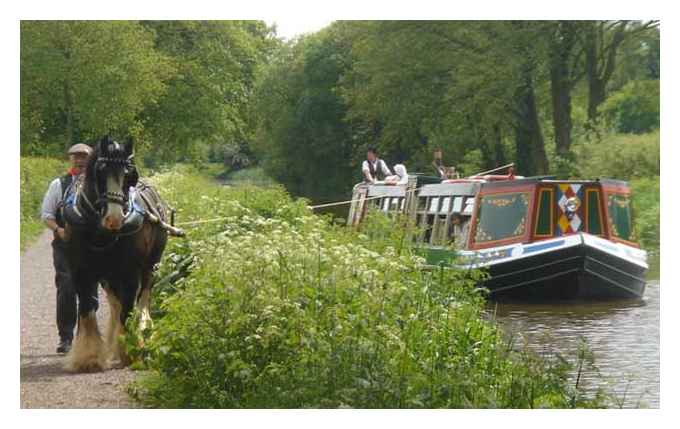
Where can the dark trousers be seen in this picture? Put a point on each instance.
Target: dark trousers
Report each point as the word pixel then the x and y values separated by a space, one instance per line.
pixel 67 310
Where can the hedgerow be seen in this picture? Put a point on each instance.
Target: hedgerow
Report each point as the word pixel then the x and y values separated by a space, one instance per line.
pixel 36 175
pixel 281 308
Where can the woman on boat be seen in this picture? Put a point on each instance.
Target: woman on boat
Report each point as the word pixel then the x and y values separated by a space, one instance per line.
pixel 400 176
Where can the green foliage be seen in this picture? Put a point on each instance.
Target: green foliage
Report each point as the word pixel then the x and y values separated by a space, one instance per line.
pixel 620 156
pixel 249 176
pixel 639 59
pixel 647 211
pixel 208 98
pixel 283 309
pixel 179 87
pixel 635 158
pixel 302 139
pixel 82 79
pixel 408 98
pixel 36 175
pixel 635 108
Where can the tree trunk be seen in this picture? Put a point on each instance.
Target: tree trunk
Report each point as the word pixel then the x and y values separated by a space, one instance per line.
pixel 68 113
pixel 596 97
pixel 498 145
pixel 596 92
pixel 530 146
pixel 562 79
pixel 600 62
pixel 560 89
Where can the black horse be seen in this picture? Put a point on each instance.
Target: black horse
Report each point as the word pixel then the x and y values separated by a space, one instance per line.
pixel 115 237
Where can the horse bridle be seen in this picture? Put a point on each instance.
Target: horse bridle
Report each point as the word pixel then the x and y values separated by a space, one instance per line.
pixel 103 198
pixel 109 196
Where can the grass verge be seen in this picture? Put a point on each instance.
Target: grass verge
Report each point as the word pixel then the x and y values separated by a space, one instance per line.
pixel 36 175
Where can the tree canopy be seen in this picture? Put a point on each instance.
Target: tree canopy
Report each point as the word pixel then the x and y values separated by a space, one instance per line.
pixel 486 92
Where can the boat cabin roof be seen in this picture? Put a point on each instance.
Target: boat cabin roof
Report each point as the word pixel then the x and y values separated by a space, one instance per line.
pixel 461 188
pixel 474 186
pixel 386 190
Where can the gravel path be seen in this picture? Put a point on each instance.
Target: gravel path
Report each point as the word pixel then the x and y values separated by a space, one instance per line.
pixel 44 382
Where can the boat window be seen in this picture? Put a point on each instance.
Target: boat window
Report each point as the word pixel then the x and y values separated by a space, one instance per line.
pixel 439 230
pixel 429 221
pixel 457 204
pixel 544 216
pixel 394 204
pixel 422 203
pixel 593 220
pixel 459 227
pixel 434 202
pixel 501 216
pixel 469 206
pixel 401 204
pixel 446 205
pixel 385 204
pixel 619 216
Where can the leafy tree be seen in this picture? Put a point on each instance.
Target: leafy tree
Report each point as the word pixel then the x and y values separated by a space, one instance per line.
pixel 564 63
pixel 458 85
pixel 82 79
pixel 602 41
pixel 208 98
pixel 634 108
pixel 302 138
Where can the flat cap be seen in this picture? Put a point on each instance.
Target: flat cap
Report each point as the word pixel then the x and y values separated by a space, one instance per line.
pixel 80 148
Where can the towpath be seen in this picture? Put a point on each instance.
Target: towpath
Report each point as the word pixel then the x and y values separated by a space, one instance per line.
pixel 44 382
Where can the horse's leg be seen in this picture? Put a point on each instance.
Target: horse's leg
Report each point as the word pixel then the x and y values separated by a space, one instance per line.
pixel 144 301
pixel 114 329
pixel 87 353
pixel 127 295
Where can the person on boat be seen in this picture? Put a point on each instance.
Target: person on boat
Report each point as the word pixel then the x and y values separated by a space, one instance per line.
pixel 458 230
pixel 374 168
pixel 441 170
pixel 400 176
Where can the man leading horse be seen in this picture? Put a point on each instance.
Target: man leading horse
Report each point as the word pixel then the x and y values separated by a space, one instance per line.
pixel 51 215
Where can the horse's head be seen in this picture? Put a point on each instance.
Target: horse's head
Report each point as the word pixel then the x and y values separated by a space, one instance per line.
pixel 108 170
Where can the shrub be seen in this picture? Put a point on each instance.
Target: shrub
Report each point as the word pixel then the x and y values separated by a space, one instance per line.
pixel 36 175
pixel 284 309
pixel 620 156
pixel 634 108
pixel 647 211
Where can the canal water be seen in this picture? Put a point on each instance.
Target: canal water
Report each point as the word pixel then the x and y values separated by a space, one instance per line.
pixel 622 335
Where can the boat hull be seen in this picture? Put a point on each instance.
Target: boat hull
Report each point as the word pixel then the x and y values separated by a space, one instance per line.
pixel 579 267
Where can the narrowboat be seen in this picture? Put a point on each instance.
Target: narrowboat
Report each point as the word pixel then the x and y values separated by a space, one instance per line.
pixel 537 237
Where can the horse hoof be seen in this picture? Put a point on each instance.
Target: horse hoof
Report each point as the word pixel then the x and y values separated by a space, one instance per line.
pixel 116 364
pixel 85 367
pixel 95 365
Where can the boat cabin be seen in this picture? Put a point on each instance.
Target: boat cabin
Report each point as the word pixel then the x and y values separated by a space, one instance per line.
pixel 390 199
pixel 538 237
pixel 475 214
